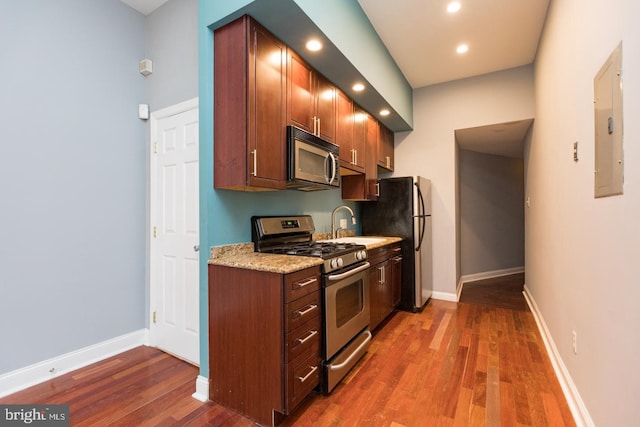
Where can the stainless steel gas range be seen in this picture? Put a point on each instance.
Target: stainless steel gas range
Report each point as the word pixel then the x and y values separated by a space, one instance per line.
pixel 345 292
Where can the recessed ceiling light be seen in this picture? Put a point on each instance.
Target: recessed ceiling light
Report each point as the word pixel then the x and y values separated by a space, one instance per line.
pixel 453 7
pixel 358 87
pixel 463 48
pixel 313 45
pixel 385 112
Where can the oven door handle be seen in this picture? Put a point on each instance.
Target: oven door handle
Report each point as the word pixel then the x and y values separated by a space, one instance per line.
pixel 334 277
pixel 352 355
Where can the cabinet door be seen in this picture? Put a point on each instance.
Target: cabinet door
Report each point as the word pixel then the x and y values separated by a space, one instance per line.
pixel 396 278
pixel 344 129
pixel 325 114
pixel 379 293
pixel 300 93
pixel 249 108
pixel 385 148
pixel 267 109
pixel 376 297
pixel 371 166
pixel 362 186
pixel 360 136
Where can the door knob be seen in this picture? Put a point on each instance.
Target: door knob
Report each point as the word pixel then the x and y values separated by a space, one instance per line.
pixel 196 248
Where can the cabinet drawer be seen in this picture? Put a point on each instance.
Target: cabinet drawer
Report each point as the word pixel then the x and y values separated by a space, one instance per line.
pixel 301 283
pixel 301 379
pixel 302 310
pixel 302 339
pixel 378 255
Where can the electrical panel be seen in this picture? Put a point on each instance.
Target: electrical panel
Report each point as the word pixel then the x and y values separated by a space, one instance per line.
pixel 609 165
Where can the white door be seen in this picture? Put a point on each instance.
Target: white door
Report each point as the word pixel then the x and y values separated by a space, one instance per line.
pixel 174 251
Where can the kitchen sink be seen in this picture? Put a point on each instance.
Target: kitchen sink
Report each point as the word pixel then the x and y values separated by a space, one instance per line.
pixel 359 240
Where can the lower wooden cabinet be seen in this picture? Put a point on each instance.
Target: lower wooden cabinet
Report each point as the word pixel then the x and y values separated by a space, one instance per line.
pixel 264 340
pixel 396 275
pixel 384 282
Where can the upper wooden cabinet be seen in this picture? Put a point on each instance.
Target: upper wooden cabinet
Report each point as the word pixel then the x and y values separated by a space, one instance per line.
pixel 352 146
pixel 249 108
pixel 363 186
pixel 385 148
pixel 311 99
pixel 260 87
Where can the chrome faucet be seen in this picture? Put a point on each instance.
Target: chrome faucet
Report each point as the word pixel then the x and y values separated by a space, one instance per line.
pixel 334 230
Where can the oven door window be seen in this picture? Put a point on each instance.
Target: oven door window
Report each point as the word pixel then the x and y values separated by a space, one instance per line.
pixel 349 302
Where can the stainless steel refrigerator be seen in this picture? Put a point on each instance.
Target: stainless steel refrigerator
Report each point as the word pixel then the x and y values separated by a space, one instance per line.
pixel 403 209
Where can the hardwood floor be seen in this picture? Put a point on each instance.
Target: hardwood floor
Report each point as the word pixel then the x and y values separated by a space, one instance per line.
pixel 454 364
pixel 504 292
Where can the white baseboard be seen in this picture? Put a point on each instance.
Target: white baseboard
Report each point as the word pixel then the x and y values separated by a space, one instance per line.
pixel 490 274
pixel 574 400
pixel 28 376
pixel 446 296
pixel 202 389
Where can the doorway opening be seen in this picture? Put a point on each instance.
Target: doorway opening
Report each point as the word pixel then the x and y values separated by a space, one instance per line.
pixel 490 186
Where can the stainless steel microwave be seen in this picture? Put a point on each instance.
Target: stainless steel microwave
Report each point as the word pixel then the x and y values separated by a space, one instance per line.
pixel 312 163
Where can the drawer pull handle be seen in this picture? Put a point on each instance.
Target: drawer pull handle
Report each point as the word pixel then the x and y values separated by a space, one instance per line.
pixel 301 313
pixel 308 337
pixel 306 377
pixel 306 283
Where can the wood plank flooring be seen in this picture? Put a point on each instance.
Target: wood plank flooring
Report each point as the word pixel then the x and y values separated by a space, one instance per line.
pixel 454 364
pixel 504 292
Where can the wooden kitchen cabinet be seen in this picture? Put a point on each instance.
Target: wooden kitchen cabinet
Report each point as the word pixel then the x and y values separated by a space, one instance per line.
pixel 379 293
pixel 264 340
pixel 364 186
pixel 249 108
pixel 352 145
pixel 385 148
pixel 396 275
pixel 311 99
pixel 384 282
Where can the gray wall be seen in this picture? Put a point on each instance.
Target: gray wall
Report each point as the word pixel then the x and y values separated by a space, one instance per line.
pixel 582 252
pixel 430 149
pixel 491 212
pixel 73 192
pixel 172 44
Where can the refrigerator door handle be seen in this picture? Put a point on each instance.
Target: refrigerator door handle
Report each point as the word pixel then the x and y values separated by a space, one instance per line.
pixel 421 217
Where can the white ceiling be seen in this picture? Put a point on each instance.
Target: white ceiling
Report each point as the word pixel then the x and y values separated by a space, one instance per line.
pixel 422 36
pixel 501 34
pixel 503 139
pixel 144 6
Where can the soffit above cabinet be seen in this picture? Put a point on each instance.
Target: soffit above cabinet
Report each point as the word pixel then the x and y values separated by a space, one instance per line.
pixel 287 21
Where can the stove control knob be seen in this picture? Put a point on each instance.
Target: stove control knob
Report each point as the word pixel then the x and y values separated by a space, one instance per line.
pixel 361 254
pixel 340 262
pixel 334 263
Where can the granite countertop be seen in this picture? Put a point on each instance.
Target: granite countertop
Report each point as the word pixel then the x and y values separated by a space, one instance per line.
pixel 385 242
pixel 242 255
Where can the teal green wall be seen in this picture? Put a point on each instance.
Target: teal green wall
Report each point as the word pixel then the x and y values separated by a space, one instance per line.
pixel 225 215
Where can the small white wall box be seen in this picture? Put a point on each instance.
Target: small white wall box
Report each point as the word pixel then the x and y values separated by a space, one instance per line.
pixel 146 67
pixel 143 111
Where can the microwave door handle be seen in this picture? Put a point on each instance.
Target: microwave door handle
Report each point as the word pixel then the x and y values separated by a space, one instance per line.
pixel 333 167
